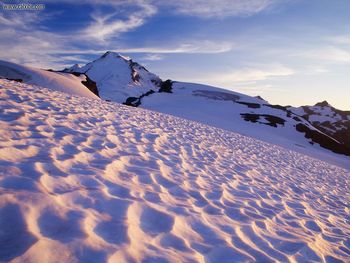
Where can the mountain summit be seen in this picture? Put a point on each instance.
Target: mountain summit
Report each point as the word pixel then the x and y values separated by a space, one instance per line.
pixel 118 77
pixel 323 104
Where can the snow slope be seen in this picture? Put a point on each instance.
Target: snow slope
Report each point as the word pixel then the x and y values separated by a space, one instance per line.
pixel 84 180
pixel 244 114
pixel 64 82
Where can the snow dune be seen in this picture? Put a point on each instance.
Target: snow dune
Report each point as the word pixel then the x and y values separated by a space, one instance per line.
pixel 83 180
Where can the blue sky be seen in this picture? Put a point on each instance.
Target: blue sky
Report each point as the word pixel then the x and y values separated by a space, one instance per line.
pixel 291 52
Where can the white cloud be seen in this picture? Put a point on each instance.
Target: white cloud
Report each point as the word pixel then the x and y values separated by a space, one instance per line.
pixel 189 47
pixel 153 57
pixel 341 39
pixel 247 76
pixel 219 8
pixel 20 19
pixel 27 40
pixel 253 74
pixel 24 43
pixel 258 89
pixel 328 54
pixel 201 8
pixel 106 26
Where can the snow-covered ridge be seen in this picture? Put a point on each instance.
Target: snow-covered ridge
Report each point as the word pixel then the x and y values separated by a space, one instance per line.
pixel 87 180
pixel 246 115
pixel 60 81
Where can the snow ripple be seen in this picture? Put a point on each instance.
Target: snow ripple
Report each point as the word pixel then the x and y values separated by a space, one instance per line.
pixel 91 181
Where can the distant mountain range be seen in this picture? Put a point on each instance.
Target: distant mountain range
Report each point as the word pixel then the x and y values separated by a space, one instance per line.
pixel 319 129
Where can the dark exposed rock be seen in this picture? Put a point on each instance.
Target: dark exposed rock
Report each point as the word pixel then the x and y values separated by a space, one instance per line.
pixel 158 82
pixel 322 104
pixel 18 80
pixel 323 140
pixel 106 54
pixel 297 119
pixel 134 75
pixel 339 129
pixel 251 117
pixel 216 95
pixel 278 107
pixel 259 97
pixel 77 74
pixel 308 111
pixel 136 101
pixel 135 64
pixel 272 120
pixel 132 101
pixel 91 85
pixel 166 86
pixel 250 105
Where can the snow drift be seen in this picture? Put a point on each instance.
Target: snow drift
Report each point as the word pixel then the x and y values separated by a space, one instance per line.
pixel 83 180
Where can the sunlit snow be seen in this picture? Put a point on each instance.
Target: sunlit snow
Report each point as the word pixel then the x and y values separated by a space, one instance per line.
pixel 92 181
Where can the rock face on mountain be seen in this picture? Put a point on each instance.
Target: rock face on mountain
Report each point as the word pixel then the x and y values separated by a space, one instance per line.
pixel 329 120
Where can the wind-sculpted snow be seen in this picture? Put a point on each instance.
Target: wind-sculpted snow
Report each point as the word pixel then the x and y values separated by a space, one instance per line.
pixel 83 180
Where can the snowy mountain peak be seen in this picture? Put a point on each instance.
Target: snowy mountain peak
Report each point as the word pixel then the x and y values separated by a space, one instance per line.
pixel 118 78
pixel 74 68
pixel 111 54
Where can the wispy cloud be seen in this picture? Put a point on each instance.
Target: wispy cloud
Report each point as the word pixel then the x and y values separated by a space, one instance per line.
pixel 26 44
pixel 340 39
pixel 249 76
pixel 326 54
pixel 36 45
pixel 254 80
pixel 219 8
pixel 153 57
pixel 257 89
pixel 106 26
pixel 188 47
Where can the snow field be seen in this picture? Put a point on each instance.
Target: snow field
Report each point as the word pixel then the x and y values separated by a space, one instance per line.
pixel 82 180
